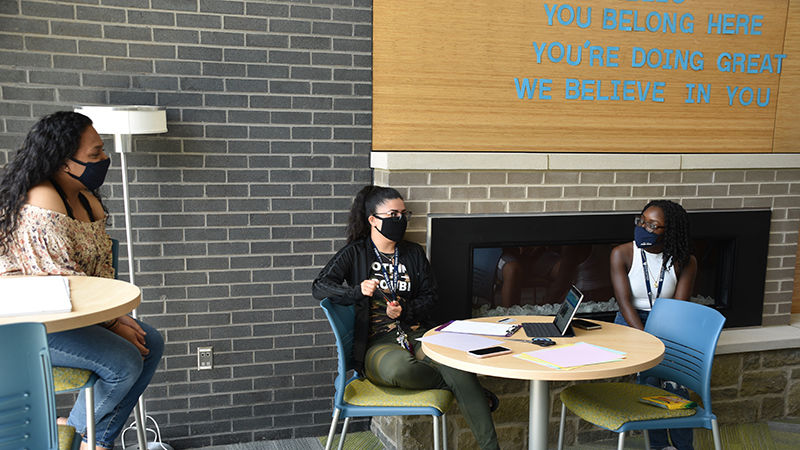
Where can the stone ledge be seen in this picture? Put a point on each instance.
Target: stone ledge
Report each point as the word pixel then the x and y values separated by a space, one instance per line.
pixel 756 339
pixel 432 161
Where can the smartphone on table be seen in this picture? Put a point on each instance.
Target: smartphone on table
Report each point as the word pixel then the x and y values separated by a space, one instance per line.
pixel 487 352
pixel 585 324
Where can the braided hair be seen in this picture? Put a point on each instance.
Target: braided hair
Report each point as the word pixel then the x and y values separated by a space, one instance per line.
pixel 364 205
pixel 676 233
pixel 52 140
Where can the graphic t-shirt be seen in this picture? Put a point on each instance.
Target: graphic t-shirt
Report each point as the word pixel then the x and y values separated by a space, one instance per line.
pixel 380 323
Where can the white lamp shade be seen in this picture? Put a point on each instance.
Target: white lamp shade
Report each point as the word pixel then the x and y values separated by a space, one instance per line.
pixel 126 119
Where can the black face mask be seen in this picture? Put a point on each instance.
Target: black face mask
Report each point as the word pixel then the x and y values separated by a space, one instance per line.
pixel 645 238
pixel 94 173
pixel 393 228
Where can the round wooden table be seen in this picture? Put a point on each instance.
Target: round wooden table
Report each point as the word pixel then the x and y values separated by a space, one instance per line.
pixel 94 300
pixel 643 352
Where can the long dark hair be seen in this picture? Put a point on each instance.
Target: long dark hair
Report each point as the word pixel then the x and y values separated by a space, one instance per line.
pixel 676 242
pixel 52 140
pixel 364 205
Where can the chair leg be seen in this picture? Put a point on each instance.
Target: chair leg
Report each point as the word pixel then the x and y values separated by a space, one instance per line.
pixel 715 433
pixel 444 431
pixel 621 441
pixel 344 432
pixel 91 436
pixel 561 426
pixel 647 440
pixel 332 432
pixel 436 431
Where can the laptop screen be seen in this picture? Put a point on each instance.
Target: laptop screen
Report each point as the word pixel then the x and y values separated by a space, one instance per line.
pixel 568 309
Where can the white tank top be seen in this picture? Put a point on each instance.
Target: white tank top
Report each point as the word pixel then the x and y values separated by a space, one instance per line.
pixel 636 279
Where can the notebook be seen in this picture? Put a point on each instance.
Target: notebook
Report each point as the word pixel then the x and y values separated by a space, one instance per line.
pixel 560 327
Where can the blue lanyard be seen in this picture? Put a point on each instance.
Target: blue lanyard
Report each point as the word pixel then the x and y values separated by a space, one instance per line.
pixel 647 278
pixel 392 282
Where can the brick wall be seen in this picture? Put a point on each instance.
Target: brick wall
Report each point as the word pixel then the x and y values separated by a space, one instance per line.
pixel 239 204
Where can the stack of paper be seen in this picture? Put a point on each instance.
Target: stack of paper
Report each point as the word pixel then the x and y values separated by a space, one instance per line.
pixel 572 355
pixel 474 327
pixel 21 296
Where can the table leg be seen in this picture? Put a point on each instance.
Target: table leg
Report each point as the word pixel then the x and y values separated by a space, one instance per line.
pixel 538 415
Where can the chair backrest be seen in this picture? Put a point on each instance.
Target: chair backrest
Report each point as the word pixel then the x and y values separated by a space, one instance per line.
pixel 341 318
pixel 689 332
pixel 27 401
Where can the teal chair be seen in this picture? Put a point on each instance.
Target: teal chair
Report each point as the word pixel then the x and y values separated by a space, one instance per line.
pixel 358 397
pixel 27 401
pixel 689 332
pixel 70 379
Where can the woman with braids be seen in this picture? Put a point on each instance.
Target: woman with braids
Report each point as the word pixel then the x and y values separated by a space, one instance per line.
pixel 52 222
pixel 389 282
pixel 656 264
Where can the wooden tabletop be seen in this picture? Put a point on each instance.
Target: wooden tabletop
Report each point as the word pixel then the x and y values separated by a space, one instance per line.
pixel 94 300
pixel 643 352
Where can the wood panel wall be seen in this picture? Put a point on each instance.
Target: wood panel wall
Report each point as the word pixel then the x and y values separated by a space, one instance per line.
pixel 444 79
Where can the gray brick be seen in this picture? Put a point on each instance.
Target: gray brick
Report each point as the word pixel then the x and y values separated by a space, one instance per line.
pixel 331 59
pixel 245 85
pixel 154 82
pixel 289 87
pixel 271 101
pixel 352 45
pixel 311 133
pixel 203 115
pixel 11 42
pixel 94 14
pixel 362 61
pixel 332 28
pixel 50 10
pixel 51 77
pixel 244 23
pixel 78 62
pixel 352 15
pixel 25 59
pixel 266 9
pixel 150 18
pixel 200 53
pixel 222 7
pixel 49 45
pixel 102 48
pixel 226 131
pixel 14 109
pixel 105 80
pixel 227 39
pixel 331 88
pixel 267 71
pixel 17 25
pixel 26 93
pixel 11 8
pixel 152 51
pixel 129 65
pixel 316 103
pixel 289 26
pixel 200 84
pixel 176 36
pixel 291 117
pixel 245 55
pixel 270 132
pixel 352 75
pixel 363 31
pixel 225 100
pixel 267 40
pixel 248 116
pixel 178 67
pixel 175 5
pixel 310 42
pixel 127 33
pixel 224 69
pixel 352 104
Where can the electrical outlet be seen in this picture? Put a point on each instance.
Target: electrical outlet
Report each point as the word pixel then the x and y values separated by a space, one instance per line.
pixel 205 358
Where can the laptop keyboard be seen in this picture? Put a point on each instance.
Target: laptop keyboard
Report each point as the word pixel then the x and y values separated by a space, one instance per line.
pixel 539 329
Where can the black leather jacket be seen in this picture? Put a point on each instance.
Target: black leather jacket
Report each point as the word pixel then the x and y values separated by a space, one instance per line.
pixel 351 265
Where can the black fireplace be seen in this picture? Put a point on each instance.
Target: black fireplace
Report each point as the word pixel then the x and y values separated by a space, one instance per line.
pixel 730 246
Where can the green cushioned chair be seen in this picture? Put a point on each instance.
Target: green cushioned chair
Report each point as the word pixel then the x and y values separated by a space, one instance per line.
pixel 358 397
pixel 689 332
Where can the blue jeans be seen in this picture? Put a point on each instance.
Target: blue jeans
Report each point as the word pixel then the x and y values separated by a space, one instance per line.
pixel 123 374
pixel 681 437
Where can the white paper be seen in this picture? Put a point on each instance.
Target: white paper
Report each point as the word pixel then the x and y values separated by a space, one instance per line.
pixel 474 327
pixel 34 295
pixel 459 341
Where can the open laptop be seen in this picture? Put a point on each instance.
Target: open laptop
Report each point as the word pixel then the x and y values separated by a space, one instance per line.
pixel 560 327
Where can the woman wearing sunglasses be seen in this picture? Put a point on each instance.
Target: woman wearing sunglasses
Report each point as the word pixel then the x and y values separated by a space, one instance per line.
pixel 389 281
pixel 656 264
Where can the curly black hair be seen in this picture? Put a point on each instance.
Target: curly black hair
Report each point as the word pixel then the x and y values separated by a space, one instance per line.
pixel 367 199
pixel 677 247
pixel 51 141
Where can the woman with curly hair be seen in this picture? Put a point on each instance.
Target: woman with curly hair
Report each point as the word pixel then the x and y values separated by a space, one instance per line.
pixel 656 264
pixel 52 222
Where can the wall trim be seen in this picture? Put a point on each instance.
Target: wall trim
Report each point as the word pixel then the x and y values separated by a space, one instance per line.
pixel 442 161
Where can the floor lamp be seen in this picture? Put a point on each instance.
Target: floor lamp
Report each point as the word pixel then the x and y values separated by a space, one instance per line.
pixel 123 122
